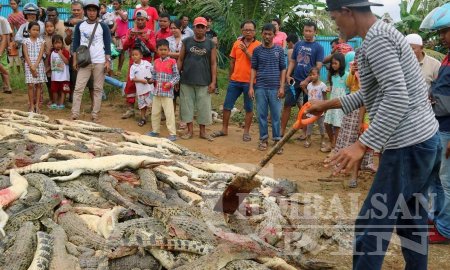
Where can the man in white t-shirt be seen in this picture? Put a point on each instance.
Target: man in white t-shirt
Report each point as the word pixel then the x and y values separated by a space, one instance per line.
pixel 100 52
pixel 5 31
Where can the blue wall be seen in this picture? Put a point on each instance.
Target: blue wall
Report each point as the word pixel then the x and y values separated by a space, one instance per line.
pixel 325 42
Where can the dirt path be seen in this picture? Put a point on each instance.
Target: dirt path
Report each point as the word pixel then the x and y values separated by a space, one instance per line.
pixel 304 166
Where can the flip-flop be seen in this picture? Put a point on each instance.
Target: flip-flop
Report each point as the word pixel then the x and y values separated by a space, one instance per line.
pixel 142 122
pixel 187 136
pixel 218 133
pixel 353 183
pixel 246 137
pixel 209 138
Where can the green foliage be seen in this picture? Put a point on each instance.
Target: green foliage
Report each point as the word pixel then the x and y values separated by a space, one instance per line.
pixel 47 3
pixel 437 55
pixel 412 13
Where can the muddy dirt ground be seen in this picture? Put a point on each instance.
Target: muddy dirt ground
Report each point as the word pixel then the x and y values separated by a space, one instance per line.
pixel 304 166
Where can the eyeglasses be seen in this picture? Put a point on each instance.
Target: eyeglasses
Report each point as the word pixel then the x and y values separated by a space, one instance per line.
pixel 248 30
pixel 200 26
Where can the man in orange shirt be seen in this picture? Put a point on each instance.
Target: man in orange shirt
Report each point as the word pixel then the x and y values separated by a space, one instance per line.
pixel 240 68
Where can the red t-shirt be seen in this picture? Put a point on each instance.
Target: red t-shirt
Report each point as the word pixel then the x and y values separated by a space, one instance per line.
pixel 152 14
pixel 162 34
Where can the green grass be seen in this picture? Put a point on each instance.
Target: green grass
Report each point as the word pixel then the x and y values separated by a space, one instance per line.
pixel 114 95
pixel 46 3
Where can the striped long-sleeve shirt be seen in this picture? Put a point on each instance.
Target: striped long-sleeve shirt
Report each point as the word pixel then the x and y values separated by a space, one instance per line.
pixel 393 91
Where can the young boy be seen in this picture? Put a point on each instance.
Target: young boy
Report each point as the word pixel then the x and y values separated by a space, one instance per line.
pixel 141 74
pixel 166 76
pixel 316 90
pixel 269 69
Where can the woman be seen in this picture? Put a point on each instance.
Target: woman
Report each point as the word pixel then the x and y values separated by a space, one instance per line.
pixel 280 37
pixel 175 47
pixel 16 18
pixel 175 40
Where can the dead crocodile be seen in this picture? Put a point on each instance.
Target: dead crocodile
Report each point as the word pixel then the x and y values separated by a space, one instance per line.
pixel 129 227
pixel 145 239
pixel 134 261
pixel 31 213
pixel 153 142
pixel 245 265
pixel 60 258
pixel 75 167
pixel 149 181
pixel 20 255
pixel 80 193
pixel 44 184
pixel 18 189
pixel 43 253
pixel 75 226
pixel 169 177
pixel 146 197
pixel 106 187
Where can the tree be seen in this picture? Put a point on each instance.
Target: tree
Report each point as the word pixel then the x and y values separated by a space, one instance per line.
pixel 413 12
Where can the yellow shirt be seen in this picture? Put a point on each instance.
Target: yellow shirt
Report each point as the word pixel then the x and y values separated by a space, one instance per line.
pixel 352 83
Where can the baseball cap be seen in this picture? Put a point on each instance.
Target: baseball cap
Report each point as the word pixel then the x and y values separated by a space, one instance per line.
pixel 338 4
pixel 201 21
pixel 414 39
pixel 141 13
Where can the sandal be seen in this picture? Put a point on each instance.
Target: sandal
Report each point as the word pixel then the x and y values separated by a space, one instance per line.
pixel 7 91
pixel 187 136
pixel 262 146
pixel 142 122
pixel 307 144
pixel 246 137
pixel 207 137
pixel 218 133
pixel 353 183
pixel 301 137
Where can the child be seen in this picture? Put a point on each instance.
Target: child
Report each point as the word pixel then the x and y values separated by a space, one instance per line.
pixel 33 50
pixel 166 77
pixel 337 77
pixel 141 74
pixel 60 78
pixel 316 91
pixel 49 32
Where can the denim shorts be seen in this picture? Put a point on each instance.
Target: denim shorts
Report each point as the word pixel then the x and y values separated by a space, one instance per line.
pixel 234 91
pixel 299 99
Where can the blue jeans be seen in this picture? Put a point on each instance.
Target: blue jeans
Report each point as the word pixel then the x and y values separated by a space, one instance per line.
pixel 442 189
pixel 397 198
pixel 234 91
pixel 116 83
pixel 268 99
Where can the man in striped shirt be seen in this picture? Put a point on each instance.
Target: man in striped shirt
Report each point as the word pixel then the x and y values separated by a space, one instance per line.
pixel 402 127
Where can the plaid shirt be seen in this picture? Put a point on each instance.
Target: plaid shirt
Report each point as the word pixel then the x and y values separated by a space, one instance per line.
pixel 165 71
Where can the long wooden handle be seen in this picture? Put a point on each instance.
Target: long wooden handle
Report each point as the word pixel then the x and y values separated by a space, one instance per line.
pixel 273 151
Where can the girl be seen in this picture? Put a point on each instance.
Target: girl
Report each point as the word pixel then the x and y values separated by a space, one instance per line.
pixel 49 32
pixel 280 37
pixel 352 122
pixel 33 51
pixel 337 78
pixel 316 91
pixel 59 62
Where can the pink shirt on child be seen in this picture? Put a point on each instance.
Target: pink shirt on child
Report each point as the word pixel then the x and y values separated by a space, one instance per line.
pixel 122 26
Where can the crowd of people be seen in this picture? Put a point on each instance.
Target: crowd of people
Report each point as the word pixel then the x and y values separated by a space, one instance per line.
pixel 389 98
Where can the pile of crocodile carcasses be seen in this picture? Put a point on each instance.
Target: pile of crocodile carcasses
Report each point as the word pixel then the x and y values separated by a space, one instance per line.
pixel 79 195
